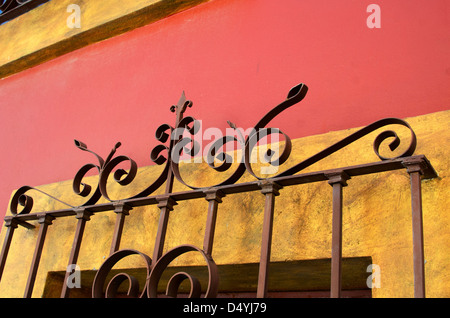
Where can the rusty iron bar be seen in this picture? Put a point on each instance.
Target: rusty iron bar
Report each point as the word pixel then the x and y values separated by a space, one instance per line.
pixel 418 245
pixel 214 197
pixel 337 180
pixel 165 204
pixel 270 190
pixel 82 216
pixel 415 168
pixel 11 225
pixel 44 220
pixel 121 210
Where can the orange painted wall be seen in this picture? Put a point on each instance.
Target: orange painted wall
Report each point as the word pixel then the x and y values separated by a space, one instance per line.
pixel 236 60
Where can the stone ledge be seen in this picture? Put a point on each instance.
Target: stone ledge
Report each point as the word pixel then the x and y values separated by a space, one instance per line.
pixel 42 34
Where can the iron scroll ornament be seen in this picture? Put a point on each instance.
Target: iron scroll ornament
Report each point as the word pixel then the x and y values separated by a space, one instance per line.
pixel 154 273
pixel 174 145
pixel 80 188
pixel 295 95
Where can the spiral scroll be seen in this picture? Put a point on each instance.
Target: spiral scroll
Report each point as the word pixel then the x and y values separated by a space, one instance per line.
pixel 358 135
pixel 178 278
pixel 154 275
pixel 84 189
pixel 116 281
pixel 295 95
pixel 26 201
pixel 20 198
pixel 123 177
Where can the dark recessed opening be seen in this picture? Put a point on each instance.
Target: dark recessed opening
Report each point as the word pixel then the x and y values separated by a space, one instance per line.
pixel 301 279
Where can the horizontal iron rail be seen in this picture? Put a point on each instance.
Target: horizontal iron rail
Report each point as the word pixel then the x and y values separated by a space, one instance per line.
pixel 304 178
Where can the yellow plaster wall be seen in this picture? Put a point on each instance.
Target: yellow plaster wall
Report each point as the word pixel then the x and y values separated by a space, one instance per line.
pixel 377 219
pixel 42 33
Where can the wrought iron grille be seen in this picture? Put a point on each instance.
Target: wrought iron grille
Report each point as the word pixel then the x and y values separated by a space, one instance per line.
pixel 10 9
pixel 178 140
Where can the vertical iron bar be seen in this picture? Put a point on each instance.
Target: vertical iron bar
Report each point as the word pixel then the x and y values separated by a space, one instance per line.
pixel 270 190
pixel 336 243
pixel 166 204
pixel 11 226
pixel 214 197
pixel 415 170
pixel 44 220
pixel 337 181
pixel 82 216
pixel 122 210
pixel 418 248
